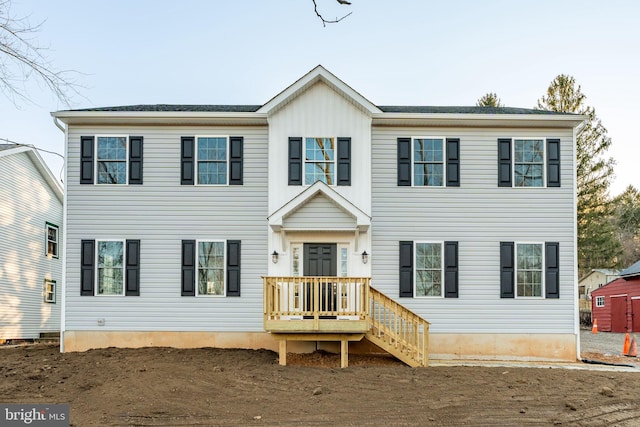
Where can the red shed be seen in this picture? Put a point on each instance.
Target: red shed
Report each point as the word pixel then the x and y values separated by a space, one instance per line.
pixel 616 305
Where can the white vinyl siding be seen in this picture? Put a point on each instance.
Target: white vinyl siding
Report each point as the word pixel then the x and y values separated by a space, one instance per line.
pixel 479 215
pixel 27 204
pixel 319 213
pixel 161 214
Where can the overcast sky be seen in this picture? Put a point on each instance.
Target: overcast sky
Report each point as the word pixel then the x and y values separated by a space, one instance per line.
pixel 396 52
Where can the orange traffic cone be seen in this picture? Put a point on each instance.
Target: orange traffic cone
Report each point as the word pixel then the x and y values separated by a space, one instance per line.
pixel 594 328
pixel 625 348
pixel 633 348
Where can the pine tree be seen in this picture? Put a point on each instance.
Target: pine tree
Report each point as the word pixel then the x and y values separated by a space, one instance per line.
pixel 489 100
pixel 627 221
pixel 598 246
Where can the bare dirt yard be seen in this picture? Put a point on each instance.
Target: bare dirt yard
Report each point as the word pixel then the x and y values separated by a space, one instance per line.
pixel 210 387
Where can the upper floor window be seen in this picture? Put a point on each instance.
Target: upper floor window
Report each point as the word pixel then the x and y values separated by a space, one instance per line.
pixel 528 168
pixel 212 160
pixel 52 239
pixel 529 268
pixel 428 162
pixel 211 268
pixel 319 160
pixel 111 159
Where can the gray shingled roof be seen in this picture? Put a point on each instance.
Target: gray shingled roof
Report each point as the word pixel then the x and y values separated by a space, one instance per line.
pixel 254 108
pixel 7 146
pixel 634 270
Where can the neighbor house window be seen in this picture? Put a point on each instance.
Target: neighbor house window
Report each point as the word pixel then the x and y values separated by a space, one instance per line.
pixel 428 269
pixel 599 301
pixel 528 168
pixel 111 159
pixel 211 264
pixel 110 267
pixel 428 162
pixel 319 160
pixel 52 240
pixel 49 291
pixel 529 268
pixel 212 160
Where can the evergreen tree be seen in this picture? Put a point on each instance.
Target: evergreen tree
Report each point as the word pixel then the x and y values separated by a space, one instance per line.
pixel 489 100
pixel 627 221
pixel 598 246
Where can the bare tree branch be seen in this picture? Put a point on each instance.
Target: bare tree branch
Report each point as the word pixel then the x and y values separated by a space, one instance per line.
pixel 327 21
pixel 21 59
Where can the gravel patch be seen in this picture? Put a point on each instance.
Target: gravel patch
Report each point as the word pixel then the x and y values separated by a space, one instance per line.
pixel 603 342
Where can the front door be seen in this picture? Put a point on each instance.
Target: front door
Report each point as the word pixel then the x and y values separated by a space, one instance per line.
pixel 320 259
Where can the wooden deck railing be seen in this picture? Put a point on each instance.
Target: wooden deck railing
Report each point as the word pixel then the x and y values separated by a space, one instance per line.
pixel 398 330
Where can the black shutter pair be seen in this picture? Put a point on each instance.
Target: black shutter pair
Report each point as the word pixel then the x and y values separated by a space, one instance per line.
pixel 505 162
pixel 552 269
pixel 343 159
pixel 189 268
pixel 452 164
pixel 87 157
pixel 187 160
pixel 450 269
pixel 132 267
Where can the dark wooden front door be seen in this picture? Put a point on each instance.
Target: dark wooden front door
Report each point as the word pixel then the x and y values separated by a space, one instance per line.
pixel 619 314
pixel 320 259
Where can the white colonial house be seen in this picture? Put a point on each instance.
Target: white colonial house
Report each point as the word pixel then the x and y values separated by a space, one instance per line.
pixel 30 247
pixel 442 232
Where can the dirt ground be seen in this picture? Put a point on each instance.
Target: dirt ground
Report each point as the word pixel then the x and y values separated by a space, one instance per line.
pixel 210 387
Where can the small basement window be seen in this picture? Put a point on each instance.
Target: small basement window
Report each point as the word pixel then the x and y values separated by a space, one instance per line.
pixel 599 301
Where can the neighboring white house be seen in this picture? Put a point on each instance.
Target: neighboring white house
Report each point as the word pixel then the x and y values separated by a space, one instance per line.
pixel 595 279
pixel 31 246
pixel 464 215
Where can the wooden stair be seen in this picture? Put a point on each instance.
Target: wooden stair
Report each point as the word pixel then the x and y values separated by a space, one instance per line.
pixel 397 330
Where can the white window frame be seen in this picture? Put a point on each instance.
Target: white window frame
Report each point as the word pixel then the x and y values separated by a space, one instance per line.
pixel 304 160
pixel 415 269
pixel 224 268
pixel 197 165
pixel 49 225
pixel 600 301
pixel 513 161
pixel 542 274
pixel 96 159
pixel 97 267
pixel 444 162
pixel 49 295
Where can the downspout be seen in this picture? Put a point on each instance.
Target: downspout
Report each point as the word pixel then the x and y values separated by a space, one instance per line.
pixel 576 295
pixel 63 129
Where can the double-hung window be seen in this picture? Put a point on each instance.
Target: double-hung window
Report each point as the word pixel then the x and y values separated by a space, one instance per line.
pixel 110 266
pixel 528 167
pixel 211 262
pixel 428 269
pixel 529 162
pixel 529 269
pixel 52 240
pixel 111 159
pixel 319 160
pixel 212 160
pixel 49 291
pixel 428 162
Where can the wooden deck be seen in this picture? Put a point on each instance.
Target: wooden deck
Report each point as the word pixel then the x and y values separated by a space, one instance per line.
pixel 342 309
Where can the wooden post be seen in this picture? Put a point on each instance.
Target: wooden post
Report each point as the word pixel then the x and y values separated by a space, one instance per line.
pixel 344 353
pixel 282 351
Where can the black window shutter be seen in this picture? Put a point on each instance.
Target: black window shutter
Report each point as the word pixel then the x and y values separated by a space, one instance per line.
pixel 87 264
pixel 451 269
pixel 236 148
pixel 506 270
pixel 86 159
pixel 233 268
pixel 344 161
pixel 295 161
pixel 135 160
pixel 188 268
pixel 406 269
pixel 504 162
pixel 187 166
pixel 553 163
pixel 133 268
pixel 404 162
pixel 453 162
pixel 552 267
